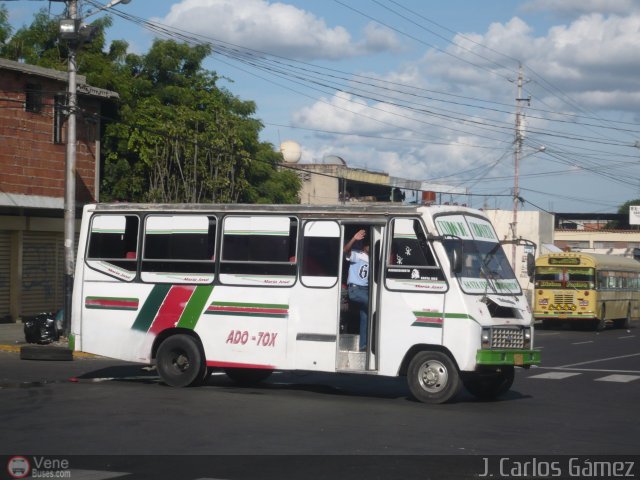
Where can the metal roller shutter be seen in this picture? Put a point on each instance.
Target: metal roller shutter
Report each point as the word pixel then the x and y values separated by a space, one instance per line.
pixel 5 270
pixel 42 272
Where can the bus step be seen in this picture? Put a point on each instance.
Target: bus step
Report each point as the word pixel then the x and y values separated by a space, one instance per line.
pixel 349 342
pixel 352 361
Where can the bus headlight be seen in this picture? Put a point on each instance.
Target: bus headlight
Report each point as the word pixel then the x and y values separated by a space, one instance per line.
pixel 526 338
pixel 486 338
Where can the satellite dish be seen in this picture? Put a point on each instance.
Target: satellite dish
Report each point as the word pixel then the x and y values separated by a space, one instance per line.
pixel 291 151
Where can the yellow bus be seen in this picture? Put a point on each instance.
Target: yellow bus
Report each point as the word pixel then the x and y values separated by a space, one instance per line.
pixel 587 287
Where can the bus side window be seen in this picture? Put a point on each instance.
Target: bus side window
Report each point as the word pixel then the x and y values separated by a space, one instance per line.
pixel 409 245
pixel 321 253
pixel 113 239
pixel 179 244
pixel 259 245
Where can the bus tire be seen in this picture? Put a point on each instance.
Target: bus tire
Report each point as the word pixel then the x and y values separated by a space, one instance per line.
pixel 626 322
pixel 180 361
pixel 601 322
pixel 433 377
pixel 248 376
pixel 490 385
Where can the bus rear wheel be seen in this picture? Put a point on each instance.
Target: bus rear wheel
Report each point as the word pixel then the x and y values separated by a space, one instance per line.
pixel 180 361
pixel 433 377
pixel 491 384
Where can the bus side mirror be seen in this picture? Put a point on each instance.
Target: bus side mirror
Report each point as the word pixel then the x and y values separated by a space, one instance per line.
pixel 531 265
pixel 456 258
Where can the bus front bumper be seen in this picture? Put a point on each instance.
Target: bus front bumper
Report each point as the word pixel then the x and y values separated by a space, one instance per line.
pixel 517 358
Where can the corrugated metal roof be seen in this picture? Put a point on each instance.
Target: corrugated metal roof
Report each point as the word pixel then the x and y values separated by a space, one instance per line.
pixel 81 80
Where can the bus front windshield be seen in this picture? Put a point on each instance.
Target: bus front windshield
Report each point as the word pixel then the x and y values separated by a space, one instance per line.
pixel 565 278
pixel 485 268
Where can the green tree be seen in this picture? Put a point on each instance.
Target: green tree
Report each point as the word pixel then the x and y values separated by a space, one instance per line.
pixel 5 27
pixel 623 210
pixel 174 135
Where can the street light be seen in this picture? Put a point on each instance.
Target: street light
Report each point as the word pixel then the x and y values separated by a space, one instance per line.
pixel 72 31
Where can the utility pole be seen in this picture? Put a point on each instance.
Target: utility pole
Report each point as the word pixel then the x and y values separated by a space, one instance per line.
pixel 70 174
pixel 520 132
pixel 75 34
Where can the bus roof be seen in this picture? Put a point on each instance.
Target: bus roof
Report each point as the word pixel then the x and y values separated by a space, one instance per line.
pixel 597 260
pixel 344 210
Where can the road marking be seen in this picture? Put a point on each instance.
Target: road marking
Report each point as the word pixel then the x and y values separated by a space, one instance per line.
pixel 601 370
pixel 627 336
pixel 582 343
pixel 599 360
pixel 618 378
pixel 554 375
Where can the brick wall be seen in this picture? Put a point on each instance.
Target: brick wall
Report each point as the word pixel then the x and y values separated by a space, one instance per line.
pixel 31 163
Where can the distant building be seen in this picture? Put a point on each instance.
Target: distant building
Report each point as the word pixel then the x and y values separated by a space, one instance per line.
pixel 593 232
pixel 32 180
pixel 335 182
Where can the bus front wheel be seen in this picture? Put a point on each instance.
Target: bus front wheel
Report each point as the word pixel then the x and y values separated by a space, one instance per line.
pixel 601 323
pixel 180 361
pixel 490 385
pixel 433 377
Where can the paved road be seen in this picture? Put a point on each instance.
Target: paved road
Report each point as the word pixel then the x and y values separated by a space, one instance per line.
pixel 582 401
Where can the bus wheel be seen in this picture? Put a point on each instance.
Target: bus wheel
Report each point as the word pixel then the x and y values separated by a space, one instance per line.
pixel 601 322
pixel 433 377
pixel 490 385
pixel 180 361
pixel 626 322
pixel 248 376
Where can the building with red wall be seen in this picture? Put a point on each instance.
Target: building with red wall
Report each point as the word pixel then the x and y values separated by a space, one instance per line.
pixel 33 119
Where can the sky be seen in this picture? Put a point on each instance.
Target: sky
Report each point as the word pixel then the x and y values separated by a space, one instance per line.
pixel 427 90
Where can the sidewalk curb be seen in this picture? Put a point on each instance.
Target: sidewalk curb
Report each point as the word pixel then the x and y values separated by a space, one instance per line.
pixel 16 349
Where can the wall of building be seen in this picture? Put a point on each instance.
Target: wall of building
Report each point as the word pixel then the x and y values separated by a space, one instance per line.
pixel 32 181
pixel 611 242
pixel 32 162
pixel 537 227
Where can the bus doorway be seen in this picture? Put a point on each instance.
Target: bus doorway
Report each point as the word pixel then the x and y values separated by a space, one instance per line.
pixel 359 291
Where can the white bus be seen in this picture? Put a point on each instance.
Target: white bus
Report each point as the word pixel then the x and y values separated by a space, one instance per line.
pixel 251 289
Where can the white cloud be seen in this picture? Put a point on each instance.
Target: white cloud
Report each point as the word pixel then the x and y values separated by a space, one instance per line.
pixel 577 7
pixel 275 27
pixel 592 60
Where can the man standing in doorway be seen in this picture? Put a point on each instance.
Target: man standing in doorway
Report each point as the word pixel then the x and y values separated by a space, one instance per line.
pixel 358 280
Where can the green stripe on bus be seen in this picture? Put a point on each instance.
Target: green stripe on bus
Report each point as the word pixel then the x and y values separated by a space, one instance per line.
pixel 150 308
pixel 250 305
pixel 195 306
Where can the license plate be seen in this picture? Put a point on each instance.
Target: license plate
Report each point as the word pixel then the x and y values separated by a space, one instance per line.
pixel 518 359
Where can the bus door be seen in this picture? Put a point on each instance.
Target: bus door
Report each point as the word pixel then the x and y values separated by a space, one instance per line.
pixel 412 293
pixel 317 296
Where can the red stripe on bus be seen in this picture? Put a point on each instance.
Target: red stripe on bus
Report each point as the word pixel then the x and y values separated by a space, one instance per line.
pixel 430 320
pixel 174 303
